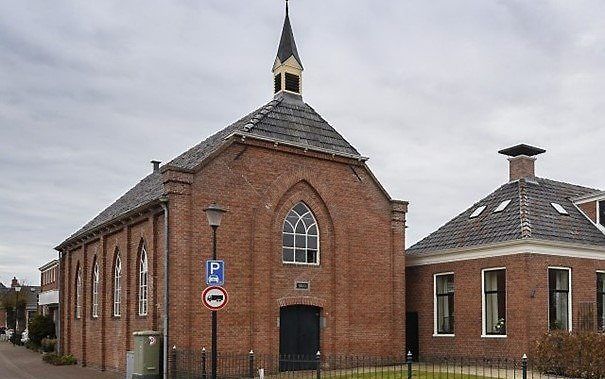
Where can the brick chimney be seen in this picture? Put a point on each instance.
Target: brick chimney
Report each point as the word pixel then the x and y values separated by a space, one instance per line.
pixel 522 160
pixel 156 166
pixel 14 282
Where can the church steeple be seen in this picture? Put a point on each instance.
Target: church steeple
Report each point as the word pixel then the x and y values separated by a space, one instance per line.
pixel 287 69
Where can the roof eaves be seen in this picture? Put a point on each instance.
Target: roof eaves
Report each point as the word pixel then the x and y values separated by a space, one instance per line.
pixel 119 218
pixel 298 145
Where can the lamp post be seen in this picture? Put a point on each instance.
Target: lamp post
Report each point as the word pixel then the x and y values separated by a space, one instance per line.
pixel 214 213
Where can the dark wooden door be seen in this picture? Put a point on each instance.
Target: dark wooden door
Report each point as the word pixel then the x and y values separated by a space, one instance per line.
pixel 412 339
pixel 298 337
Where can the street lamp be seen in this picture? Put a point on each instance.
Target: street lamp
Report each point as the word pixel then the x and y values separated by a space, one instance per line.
pixel 214 213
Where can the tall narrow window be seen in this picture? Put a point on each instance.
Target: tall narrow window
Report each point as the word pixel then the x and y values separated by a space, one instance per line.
pixel 601 301
pixel 494 297
pixel 559 300
pixel 95 291
pixel 300 236
pixel 117 286
pixel 79 293
pixel 143 270
pixel 444 303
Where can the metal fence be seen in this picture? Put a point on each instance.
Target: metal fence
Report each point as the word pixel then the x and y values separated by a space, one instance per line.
pixel 196 365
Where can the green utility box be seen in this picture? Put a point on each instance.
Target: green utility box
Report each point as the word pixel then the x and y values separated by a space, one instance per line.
pixel 147 347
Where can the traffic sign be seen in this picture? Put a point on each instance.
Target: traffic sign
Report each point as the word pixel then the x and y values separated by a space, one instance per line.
pixel 215 272
pixel 215 298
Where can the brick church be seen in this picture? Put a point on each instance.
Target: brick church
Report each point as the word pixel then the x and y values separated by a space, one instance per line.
pixel 308 226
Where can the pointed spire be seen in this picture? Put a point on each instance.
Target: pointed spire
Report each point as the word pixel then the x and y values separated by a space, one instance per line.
pixel 287 46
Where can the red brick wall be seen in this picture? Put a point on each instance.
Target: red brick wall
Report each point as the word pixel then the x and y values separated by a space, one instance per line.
pixel 47 283
pixel 590 209
pixel 527 302
pixel 359 284
pixel 259 185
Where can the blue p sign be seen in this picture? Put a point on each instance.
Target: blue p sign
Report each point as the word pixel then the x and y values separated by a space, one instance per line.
pixel 215 272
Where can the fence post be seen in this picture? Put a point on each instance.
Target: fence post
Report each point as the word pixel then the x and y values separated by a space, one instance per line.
pixel 173 362
pixel 251 364
pixel 409 362
pixel 203 363
pixel 318 361
pixel 524 365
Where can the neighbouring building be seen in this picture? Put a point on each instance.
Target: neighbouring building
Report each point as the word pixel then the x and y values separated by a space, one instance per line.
pixel 308 229
pixel 3 290
pixel 19 304
pixel 526 259
pixel 48 300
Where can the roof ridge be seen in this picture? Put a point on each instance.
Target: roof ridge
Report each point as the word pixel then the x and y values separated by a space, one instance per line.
pixel 525 223
pixel 569 184
pixel 261 114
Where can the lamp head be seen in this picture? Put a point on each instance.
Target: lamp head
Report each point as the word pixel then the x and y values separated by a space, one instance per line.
pixel 214 213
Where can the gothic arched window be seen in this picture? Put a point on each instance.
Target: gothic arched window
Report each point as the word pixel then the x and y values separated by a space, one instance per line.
pixel 95 290
pixel 300 236
pixel 117 285
pixel 79 292
pixel 143 271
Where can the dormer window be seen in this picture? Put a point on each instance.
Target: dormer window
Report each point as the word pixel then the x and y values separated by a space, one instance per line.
pixel 559 208
pixel 601 213
pixel 502 206
pixel 292 83
pixel 477 212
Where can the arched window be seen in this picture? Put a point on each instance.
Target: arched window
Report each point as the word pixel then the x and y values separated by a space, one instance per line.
pixel 95 290
pixel 79 292
pixel 300 237
pixel 117 285
pixel 143 270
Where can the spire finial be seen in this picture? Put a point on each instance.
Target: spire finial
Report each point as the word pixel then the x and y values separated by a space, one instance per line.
pixel 286 8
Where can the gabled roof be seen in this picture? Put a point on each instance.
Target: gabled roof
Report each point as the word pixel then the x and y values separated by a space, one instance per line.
pixel 287 46
pixel 285 119
pixel 529 215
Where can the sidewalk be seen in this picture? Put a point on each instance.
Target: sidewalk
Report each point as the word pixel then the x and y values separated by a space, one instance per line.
pixel 16 362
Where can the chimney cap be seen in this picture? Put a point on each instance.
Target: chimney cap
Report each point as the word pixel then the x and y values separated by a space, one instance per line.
pixel 156 165
pixel 522 149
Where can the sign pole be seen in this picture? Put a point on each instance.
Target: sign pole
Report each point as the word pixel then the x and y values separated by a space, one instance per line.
pixel 214 315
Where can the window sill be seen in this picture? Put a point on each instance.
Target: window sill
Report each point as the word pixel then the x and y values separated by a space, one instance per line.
pixel 300 264
pixel 494 336
pixel 443 335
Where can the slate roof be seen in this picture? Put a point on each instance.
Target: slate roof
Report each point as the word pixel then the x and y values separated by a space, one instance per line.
pixel 287 45
pixel 286 118
pixel 529 215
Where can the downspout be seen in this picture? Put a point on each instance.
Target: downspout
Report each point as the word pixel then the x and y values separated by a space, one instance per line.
pixel 164 203
pixel 59 339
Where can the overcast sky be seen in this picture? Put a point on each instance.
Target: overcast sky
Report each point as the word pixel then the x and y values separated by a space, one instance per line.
pixel 91 91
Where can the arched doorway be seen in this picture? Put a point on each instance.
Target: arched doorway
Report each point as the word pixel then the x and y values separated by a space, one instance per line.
pixel 298 336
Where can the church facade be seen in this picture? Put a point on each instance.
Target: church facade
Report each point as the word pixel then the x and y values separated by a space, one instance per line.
pixel 307 228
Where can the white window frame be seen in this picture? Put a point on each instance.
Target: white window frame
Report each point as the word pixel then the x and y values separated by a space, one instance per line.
pixel 318 255
pixel 483 309
pixel 569 297
pixel 598 211
pixel 117 286
pixel 95 290
pixel 435 334
pixel 79 293
pixel 143 282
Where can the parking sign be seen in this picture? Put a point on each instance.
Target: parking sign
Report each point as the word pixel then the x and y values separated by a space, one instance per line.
pixel 215 272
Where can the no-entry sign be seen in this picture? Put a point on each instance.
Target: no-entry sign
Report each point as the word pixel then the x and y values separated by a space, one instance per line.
pixel 215 298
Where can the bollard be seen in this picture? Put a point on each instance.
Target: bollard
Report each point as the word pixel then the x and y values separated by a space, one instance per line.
pixel 204 363
pixel 251 364
pixel 524 365
pixel 409 362
pixel 318 360
pixel 173 362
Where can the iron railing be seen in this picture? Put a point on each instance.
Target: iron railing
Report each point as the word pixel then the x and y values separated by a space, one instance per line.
pixel 196 365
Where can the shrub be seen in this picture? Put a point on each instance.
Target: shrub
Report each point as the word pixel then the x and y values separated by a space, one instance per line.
pixel 578 355
pixel 41 327
pixel 59 360
pixel 16 339
pixel 48 345
pixel 31 345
